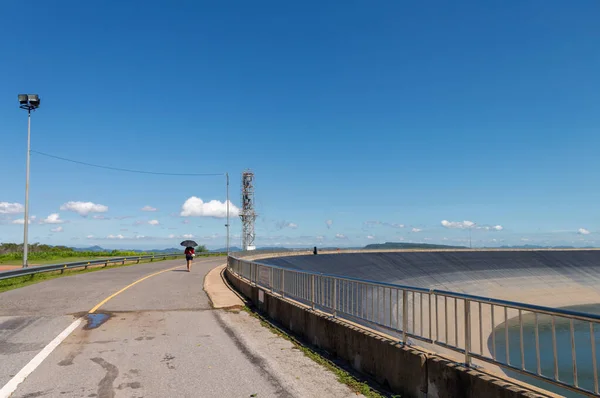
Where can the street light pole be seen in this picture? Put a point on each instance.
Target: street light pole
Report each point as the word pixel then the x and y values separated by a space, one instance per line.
pixel 29 102
pixel 26 220
pixel 227 176
pixel 470 246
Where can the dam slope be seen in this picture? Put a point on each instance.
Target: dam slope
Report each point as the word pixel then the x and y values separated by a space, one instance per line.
pixel 555 278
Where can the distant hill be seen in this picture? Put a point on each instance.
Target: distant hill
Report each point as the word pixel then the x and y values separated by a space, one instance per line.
pixel 545 247
pixel 402 245
pixel 224 249
pixel 101 249
pixel 89 249
pixel 170 250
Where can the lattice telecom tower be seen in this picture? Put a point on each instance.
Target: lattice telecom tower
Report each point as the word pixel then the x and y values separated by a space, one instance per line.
pixel 247 213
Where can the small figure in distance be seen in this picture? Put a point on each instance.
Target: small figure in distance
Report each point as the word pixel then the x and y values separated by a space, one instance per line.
pixel 315 251
pixel 189 256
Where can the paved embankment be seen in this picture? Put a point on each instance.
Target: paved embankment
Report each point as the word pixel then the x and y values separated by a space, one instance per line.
pixel 159 337
pixel 554 278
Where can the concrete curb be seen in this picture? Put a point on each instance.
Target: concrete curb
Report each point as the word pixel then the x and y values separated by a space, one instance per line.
pixel 219 293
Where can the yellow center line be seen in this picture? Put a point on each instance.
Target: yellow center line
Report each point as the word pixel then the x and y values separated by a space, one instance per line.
pixel 100 304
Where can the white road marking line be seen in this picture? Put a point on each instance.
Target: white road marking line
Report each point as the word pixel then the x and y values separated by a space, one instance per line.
pixel 12 385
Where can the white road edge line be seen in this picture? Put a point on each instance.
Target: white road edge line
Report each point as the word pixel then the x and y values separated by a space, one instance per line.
pixel 12 385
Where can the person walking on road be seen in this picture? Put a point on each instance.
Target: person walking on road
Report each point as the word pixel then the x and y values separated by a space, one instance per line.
pixel 189 256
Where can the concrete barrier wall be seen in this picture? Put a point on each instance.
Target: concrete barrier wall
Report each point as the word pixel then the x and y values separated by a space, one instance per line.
pixel 409 371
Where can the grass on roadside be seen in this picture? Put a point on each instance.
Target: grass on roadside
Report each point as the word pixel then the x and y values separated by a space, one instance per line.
pixel 26 280
pixel 342 375
pixel 35 262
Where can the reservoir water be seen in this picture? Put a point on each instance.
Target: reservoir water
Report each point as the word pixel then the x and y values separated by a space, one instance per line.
pixel 583 349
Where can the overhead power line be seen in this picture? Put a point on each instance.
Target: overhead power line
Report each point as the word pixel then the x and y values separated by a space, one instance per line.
pixel 126 170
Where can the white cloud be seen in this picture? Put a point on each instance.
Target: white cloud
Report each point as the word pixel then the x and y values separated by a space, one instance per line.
pixel 189 236
pixel 53 218
pixel 57 229
pixel 320 238
pixel 583 231
pixel 115 237
pixel 387 224
pixel 340 236
pixel 90 236
pixel 100 217
pixel 329 223
pixel 492 227
pixel 84 208
pixel 416 230
pixel 370 237
pixel 153 222
pixel 185 222
pixel 195 207
pixel 149 208
pixel 139 236
pixel 21 221
pixel 457 224
pixel 11 208
pixel 286 224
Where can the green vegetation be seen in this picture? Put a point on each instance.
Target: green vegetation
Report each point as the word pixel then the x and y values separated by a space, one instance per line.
pixel 12 254
pixel 343 376
pixel 26 280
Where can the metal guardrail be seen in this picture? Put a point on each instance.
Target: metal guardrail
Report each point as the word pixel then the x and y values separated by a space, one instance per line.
pixel 455 321
pixel 84 264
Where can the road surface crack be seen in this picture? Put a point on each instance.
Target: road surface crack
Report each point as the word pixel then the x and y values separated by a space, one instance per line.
pixel 105 387
pixel 256 360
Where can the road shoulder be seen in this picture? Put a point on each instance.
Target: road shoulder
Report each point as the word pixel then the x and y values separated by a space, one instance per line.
pixel 220 294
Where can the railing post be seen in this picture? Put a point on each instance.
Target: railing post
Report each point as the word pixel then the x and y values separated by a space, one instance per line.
pixel 282 282
pixel 404 315
pixel 271 280
pixel 334 304
pixel 467 332
pixel 312 291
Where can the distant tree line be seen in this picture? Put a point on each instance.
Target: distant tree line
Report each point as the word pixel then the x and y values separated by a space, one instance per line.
pixel 37 251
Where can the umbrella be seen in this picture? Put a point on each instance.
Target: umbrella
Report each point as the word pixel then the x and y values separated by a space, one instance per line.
pixel 189 243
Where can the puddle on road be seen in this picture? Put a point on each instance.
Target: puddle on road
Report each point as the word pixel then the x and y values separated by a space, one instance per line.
pixel 95 320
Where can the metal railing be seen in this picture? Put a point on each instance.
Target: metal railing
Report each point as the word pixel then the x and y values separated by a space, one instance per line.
pixel 455 321
pixel 84 264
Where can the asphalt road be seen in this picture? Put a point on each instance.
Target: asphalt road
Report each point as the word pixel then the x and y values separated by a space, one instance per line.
pixel 161 338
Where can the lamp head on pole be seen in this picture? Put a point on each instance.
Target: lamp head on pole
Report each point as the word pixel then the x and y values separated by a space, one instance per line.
pixel 29 101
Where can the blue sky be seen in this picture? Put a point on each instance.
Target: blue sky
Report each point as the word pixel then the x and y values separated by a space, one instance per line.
pixel 386 118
